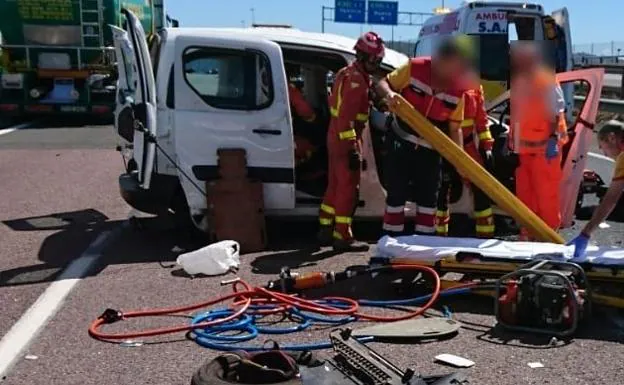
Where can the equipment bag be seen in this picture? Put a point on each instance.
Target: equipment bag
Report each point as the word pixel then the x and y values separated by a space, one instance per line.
pixel 267 367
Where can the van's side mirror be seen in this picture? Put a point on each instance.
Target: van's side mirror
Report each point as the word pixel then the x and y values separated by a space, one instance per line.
pixel 175 23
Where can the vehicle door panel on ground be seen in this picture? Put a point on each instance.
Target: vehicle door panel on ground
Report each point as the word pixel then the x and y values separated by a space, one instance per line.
pixel 231 92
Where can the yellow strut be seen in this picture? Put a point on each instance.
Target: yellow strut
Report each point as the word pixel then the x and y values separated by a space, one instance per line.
pixel 475 173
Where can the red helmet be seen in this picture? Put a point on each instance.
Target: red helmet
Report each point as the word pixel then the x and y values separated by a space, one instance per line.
pixel 371 44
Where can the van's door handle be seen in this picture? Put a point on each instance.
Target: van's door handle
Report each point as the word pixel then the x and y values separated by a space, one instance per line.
pixel 265 131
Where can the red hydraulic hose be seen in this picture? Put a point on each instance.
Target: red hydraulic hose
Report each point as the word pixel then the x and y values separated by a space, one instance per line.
pixel 242 300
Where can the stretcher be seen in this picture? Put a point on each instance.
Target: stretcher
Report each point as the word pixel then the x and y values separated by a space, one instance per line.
pixel 491 258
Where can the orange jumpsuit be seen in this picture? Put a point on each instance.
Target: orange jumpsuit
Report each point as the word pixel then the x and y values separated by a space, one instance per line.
pixel 474 123
pixel 301 107
pixel 349 107
pixel 536 105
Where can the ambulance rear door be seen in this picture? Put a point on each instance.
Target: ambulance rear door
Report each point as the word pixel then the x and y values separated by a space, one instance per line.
pixel 557 30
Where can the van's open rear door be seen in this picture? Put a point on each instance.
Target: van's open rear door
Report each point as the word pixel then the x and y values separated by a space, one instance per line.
pixel 136 94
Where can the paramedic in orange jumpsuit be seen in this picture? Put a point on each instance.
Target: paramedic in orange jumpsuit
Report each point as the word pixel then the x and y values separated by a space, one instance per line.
pixel 611 141
pixel 474 126
pixel 538 131
pixel 433 86
pixel 349 107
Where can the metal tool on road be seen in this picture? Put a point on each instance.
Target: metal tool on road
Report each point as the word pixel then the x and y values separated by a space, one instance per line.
pixel 546 297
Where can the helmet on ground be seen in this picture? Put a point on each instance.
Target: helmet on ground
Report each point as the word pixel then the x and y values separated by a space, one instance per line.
pixel 371 45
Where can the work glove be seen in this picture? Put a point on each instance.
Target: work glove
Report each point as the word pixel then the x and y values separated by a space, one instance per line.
pixel 355 161
pixel 488 160
pixel 580 244
pixel 552 148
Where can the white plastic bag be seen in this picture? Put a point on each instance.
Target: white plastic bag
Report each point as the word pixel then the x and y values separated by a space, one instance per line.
pixel 215 259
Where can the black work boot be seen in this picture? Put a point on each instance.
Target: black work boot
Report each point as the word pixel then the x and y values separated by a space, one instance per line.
pixel 325 235
pixel 342 245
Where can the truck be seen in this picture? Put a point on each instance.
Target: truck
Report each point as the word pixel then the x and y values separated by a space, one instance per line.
pixel 58 56
pixel 183 100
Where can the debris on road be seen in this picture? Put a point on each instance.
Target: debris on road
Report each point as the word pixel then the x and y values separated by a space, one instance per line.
pixel 454 360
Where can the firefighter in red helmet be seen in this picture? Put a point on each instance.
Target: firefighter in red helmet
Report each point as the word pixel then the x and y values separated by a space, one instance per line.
pixel 349 106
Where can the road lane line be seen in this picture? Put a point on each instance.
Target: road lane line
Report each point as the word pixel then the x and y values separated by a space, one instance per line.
pixel 36 317
pixel 600 156
pixel 20 126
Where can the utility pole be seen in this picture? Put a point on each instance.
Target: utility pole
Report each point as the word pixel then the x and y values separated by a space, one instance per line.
pixel 253 16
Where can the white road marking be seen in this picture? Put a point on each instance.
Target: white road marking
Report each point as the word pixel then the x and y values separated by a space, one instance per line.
pixel 9 130
pixel 600 156
pixel 36 317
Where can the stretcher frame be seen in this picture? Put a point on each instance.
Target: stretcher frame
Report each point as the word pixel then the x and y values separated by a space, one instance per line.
pixel 604 280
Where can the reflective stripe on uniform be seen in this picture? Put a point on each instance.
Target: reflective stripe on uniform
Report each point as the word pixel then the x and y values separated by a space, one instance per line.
pixel 484 214
pixel 393 228
pixel 395 209
pixel 426 210
pixel 467 123
pixel 425 229
pixel 485 229
pixel 325 221
pixel 361 117
pixel 442 229
pixel 348 134
pixel 421 86
pixel 485 135
pixel 533 143
pixel 447 98
pixel 328 209
pixel 409 137
pixel 344 220
pixel 337 235
pixel 442 213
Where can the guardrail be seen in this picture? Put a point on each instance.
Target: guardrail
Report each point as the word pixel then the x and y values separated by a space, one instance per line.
pixel 606 105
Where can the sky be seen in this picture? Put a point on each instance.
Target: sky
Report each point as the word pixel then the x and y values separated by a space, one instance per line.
pixel 591 20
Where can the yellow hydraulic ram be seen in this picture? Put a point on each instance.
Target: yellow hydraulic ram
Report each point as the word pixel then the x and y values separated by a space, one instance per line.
pixel 475 172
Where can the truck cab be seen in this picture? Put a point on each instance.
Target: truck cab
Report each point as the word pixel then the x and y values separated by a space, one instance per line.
pixel 200 90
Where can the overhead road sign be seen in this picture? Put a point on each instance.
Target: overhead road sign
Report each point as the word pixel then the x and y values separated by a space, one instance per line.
pixel 350 11
pixel 383 12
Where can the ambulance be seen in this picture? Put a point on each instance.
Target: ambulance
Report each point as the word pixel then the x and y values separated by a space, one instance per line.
pixel 495 25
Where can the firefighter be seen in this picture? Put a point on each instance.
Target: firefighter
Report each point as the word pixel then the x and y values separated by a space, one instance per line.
pixel 349 107
pixel 303 115
pixel 611 141
pixel 538 131
pixel 475 124
pixel 432 86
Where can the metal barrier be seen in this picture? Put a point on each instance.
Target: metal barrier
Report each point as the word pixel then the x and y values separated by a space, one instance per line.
pixel 606 105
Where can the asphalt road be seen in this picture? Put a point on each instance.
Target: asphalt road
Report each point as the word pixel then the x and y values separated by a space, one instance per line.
pixel 60 194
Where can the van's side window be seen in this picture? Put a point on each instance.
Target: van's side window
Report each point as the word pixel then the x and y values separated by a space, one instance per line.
pixel 229 79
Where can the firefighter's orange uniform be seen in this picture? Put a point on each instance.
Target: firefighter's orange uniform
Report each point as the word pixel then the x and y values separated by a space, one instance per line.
pixel 303 147
pixel 349 106
pixel 473 126
pixel 536 105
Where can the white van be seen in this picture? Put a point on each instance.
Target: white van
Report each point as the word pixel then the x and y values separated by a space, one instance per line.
pixel 200 90
pixel 495 25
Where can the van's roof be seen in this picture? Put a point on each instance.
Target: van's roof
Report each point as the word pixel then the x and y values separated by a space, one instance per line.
pixel 292 36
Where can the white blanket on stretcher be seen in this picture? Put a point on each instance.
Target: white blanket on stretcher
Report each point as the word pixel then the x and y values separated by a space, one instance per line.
pixel 431 248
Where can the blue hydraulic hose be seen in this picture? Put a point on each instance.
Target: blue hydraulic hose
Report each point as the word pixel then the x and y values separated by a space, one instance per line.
pixel 211 337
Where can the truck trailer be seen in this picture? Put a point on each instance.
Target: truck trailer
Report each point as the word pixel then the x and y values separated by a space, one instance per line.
pixel 58 56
